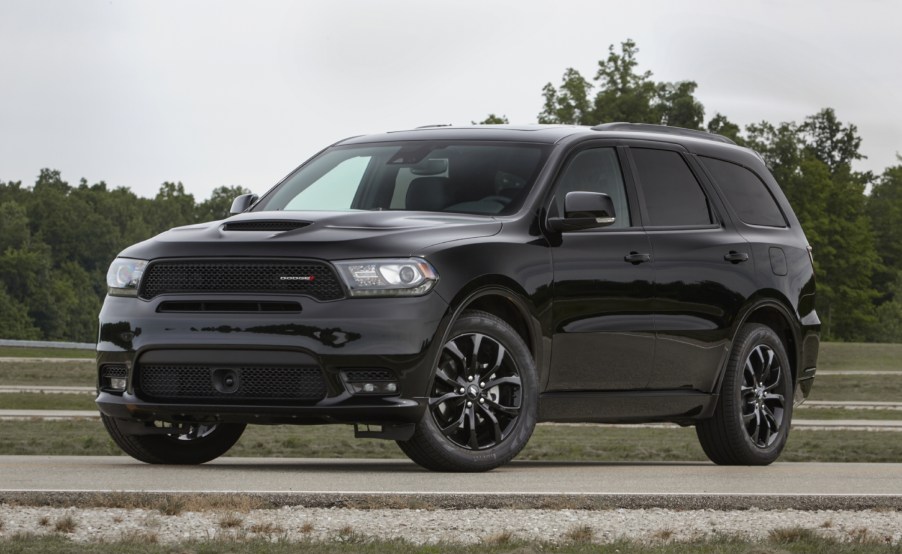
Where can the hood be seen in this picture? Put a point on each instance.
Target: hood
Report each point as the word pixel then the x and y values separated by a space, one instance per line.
pixel 323 235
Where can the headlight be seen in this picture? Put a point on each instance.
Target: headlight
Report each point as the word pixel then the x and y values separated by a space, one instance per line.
pixel 408 277
pixel 124 276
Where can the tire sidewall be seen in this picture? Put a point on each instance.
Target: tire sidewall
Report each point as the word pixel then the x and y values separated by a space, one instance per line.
pixel 481 460
pixel 166 449
pixel 754 336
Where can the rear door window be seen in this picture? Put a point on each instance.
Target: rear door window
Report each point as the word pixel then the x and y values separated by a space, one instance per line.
pixel 673 196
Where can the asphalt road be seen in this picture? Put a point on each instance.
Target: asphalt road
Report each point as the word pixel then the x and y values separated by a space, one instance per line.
pixel 333 481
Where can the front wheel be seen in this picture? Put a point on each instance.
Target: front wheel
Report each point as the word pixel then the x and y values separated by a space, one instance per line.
pixel 751 421
pixel 186 445
pixel 482 402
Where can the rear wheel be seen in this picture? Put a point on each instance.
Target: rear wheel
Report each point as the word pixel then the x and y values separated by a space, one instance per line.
pixel 187 445
pixel 483 400
pixel 751 422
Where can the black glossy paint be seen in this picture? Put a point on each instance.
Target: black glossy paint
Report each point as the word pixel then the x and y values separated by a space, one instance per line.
pixel 617 336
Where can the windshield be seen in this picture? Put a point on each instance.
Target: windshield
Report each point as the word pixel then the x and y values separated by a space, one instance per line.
pixel 472 177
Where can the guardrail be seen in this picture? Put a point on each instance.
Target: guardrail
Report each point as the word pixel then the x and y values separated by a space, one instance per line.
pixel 48 344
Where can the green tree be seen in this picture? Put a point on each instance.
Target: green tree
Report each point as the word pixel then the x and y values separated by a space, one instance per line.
pixel 172 207
pixel 570 103
pixel 828 198
pixel 493 119
pixel 677 106
pixel 720 125
pixel 14 320
pixel 889 315
pixel 219 203
pixel 14 232
pixel 624 94
pixel 57 240
pixel 885 211
pixel 831 142
pixel 73 304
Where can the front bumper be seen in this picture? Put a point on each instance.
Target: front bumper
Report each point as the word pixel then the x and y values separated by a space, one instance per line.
pixel 401 335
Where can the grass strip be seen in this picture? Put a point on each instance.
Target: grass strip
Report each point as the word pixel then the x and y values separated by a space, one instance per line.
pixel 844 413
pixel 860 356
pixel 48 401
pixel 28 352
pixel 549 443
pixel 864 388
pixel 28 372
pixel 575 541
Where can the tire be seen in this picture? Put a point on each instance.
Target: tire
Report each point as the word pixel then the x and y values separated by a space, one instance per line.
pixel 483 400
pixel 751 421
pixel 209 442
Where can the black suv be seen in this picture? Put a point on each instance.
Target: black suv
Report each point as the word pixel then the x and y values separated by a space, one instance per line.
pixel 448 287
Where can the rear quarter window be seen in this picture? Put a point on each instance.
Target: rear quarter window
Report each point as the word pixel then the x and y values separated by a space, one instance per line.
pixel 746 193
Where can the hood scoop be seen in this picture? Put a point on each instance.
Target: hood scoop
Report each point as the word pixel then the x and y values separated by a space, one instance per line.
pixel 264 225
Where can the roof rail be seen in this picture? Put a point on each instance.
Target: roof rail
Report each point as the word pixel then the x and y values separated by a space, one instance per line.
pixel 434 125
pixel 663 129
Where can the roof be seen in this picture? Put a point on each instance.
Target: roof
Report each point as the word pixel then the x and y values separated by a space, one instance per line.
pixel 548 134
pixel 695 141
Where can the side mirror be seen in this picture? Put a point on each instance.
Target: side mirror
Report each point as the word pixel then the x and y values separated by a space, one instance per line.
pixel 584 210
pixel 242 203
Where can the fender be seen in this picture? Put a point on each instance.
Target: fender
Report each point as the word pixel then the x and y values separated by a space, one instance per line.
pixel 750 309
pixel 498 285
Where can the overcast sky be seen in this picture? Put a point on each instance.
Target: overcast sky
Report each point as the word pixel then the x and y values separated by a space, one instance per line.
pixel 215 93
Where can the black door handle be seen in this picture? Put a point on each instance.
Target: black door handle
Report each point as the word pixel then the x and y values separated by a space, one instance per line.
pixel 637 258
pixel 735 257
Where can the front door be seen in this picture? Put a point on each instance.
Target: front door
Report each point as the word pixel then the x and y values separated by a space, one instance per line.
pixel 603 336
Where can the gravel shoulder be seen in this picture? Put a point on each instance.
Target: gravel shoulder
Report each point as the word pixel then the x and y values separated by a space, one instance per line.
pixel 465 526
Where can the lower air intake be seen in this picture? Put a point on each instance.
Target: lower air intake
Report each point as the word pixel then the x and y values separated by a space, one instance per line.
pixel 242 384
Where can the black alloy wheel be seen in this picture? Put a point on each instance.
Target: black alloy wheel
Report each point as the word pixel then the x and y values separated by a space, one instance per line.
pixel 751 422
pixel 482 404
pixel 762 405
pixel 476 397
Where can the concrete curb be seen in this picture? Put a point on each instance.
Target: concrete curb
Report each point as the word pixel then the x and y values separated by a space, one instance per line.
pixel 48 344
pixel 43 389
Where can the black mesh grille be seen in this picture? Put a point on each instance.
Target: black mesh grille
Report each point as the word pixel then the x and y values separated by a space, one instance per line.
pixel 114 371
pixel 368 375
pixel 196 382
pixel 264 225
pixel 310 278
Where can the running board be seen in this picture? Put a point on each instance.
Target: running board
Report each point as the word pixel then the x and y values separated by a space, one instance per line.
pixel 679 406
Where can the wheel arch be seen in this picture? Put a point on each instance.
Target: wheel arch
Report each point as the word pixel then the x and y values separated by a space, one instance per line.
pixel 772 312
pixel 504 298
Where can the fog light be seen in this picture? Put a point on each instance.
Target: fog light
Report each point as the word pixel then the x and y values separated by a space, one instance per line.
pixel 373 388
pixel 370 382
pixel 114 377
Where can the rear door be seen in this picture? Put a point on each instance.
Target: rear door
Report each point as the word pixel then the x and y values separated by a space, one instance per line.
pixel 704 269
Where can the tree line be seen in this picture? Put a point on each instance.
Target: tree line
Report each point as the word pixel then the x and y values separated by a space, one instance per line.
pixel 57 239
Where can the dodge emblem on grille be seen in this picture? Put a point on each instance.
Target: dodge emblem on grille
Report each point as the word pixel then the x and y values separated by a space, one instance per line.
pixel 296 278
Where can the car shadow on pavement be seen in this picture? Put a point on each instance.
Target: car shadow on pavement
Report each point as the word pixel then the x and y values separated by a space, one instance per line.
pixel 404 466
